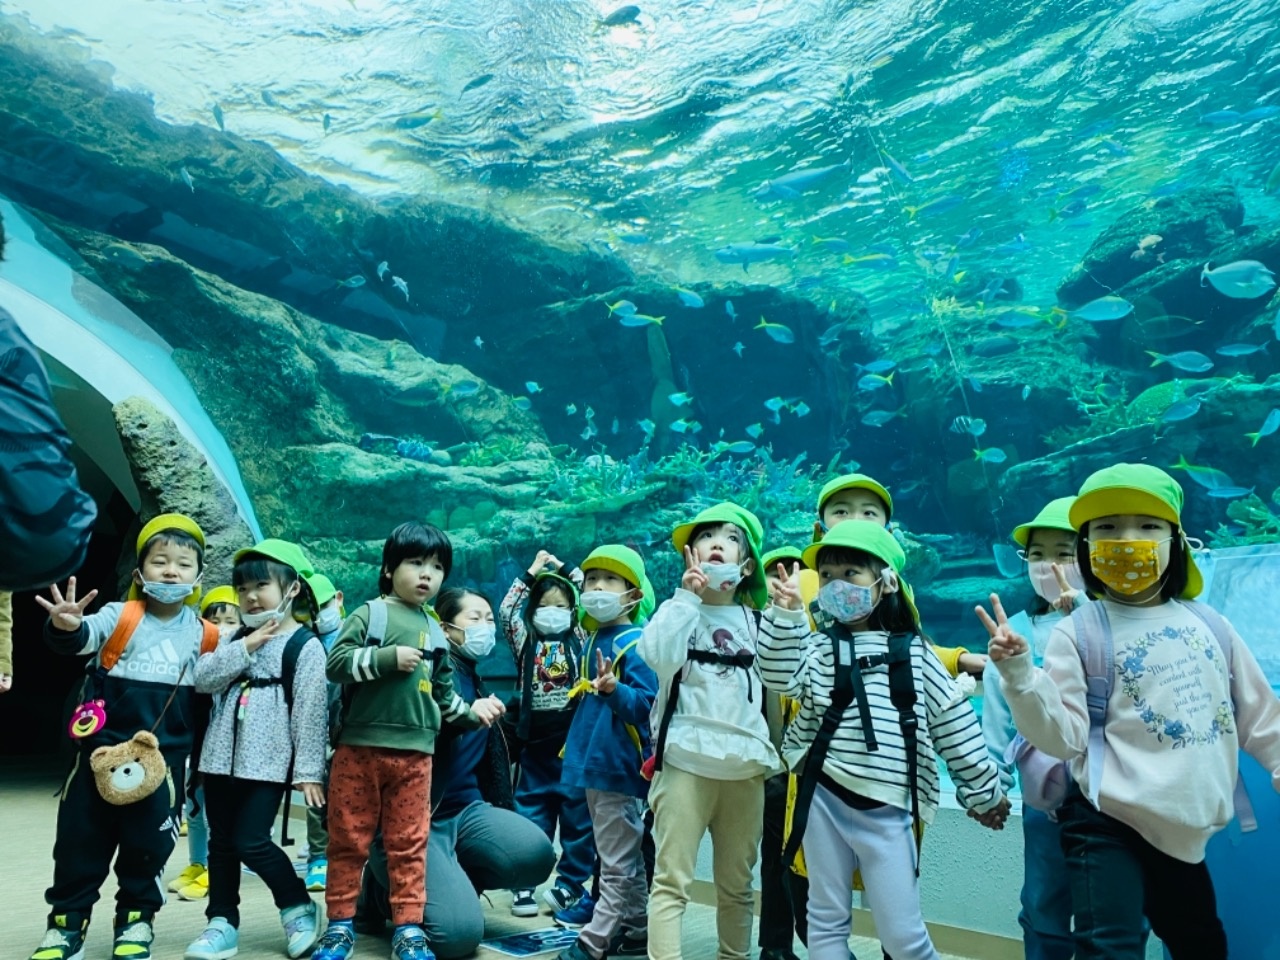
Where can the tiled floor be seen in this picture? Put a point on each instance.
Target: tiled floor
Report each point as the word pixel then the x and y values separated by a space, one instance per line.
pixel 27 811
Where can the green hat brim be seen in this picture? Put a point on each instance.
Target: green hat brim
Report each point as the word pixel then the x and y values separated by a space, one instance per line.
pixel 774 557
pixel 281 551
pixel 1054 515
pixel 855 481
pixel 741 517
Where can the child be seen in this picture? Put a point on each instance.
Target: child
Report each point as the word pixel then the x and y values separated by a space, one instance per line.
pixel 1154 765
pixel 266 736
pixel 539 619
pixel 221 608
pixel 868 687
pixel 713 751
pixel 327 623
pixel 858 497
pixel 1049 548
pixel 393 654
pixel 138 666
pixel 606 747
pixel 782 897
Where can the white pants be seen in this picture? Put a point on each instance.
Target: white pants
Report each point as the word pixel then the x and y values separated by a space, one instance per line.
pixel 839 840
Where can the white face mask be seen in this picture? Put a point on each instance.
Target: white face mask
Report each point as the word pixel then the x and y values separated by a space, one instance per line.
pixel 604 607
pixel 723 577
pixel 226 632
pixel 281 613
pixel 478 640
pixel 550 620
pixel 328 620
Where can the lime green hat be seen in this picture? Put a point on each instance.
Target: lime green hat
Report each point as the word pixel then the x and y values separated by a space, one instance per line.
pixel 774 557
pixel 282 551
pixel 855 481
pixel 322 587
pixel 1137 488
pixel 561 580
pixel 869 538
pixel 629 565
pixel 1055 515
pixel 740 517
pixel 169 521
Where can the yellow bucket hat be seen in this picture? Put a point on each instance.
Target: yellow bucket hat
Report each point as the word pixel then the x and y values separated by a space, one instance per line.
pixel 223 594
pixel 159 524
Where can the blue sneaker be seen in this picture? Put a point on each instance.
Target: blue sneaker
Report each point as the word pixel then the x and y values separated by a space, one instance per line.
pixel 578 915
pixel 301 928
pixel 317 875
pixel 410 943
pixel 338 943
pixel 220 941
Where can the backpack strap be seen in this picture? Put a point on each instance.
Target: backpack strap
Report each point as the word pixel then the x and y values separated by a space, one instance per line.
pixel 1217 625
pixel 209 637
pixel 377 631
pixel 743 662
pixel 636 632
pixel 130 616
pixel 1097 654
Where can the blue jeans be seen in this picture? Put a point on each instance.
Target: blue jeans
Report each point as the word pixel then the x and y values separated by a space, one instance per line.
pixel 1046 890
pixel 197 829
pixel 541 798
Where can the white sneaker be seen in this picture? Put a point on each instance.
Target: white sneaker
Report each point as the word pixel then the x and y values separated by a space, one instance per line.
pixel 301 928
pixel 219 941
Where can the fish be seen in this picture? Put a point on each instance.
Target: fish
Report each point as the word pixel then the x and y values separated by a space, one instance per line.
pixel 412 121
pixel 326 121
pixel 777 331
pixel 990 455
pixel 833 244
pixel 624 307
pixel 831 334
pixel 1229 493
pixel 738 348
pixel 383 269
pixel 686 426
pixel 994 346
pixel 464 388
pixel 1067 211
pixel 476 83
pixel 588 431
pixel 1240 349
pixel 992 290
pixel 897 168
pixel 791 185
pixel 622 16
pixel 754 431
pixel 690 299
pixel 218 118
pixel 522 403
pixel 774 404
pixel 935 206
pixel 873 381
pixel 1182 410
pixel 1026 391
pixel 801 409
pixel 1104 309
pixel 1208 477
pixel 917 365
pixel 1265 112
pixel 728 308
pixel 1241 280
pixel 878 418
pixel 1019 244
pixel 401 286
pixel 532 386
pixel 570 409
pixel 1221 118
pixel 588 413
pixel 647 426
pixel 1109 391
pixel 479 342
pixel 749 253
pixel 969 237
pixel 1191 361
pixel 351 283
pixel 185 174
pixel 639 320
pixel 1269 426
pixel 680 399
pixel 879 366
pixel 974 426
pixel 873 261
pixel 741 447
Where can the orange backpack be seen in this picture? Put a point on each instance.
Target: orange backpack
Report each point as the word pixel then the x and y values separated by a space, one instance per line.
pixel 130 617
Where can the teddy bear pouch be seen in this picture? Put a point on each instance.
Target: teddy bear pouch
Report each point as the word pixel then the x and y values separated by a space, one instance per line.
pixel 131 771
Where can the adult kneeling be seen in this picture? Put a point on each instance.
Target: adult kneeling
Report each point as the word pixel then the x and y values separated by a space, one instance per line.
pixel 477 840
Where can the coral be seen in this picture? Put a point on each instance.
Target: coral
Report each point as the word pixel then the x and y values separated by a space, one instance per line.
pixel 1254 522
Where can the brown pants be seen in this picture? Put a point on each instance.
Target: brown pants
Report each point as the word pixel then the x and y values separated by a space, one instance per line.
pixel 368 786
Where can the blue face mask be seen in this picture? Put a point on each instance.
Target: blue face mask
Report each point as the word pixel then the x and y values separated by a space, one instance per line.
pixel 163 592
pixel 846 602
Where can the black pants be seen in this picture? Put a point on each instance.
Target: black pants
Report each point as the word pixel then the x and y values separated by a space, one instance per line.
pixel 139 836
pixel 783 911
pixel 240 815
pixel 1117 878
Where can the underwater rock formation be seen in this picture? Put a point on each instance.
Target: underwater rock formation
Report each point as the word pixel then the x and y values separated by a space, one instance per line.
pixel 173 477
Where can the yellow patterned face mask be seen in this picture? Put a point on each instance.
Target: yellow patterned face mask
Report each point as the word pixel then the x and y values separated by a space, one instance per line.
pixel 1127 567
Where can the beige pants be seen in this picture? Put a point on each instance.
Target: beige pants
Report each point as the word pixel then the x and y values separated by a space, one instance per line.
pixel 685 806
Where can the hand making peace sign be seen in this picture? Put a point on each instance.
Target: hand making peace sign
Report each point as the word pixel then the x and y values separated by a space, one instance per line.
pixel 605 681
pixel 1005 642
pixel 787 592
pixel 694 580
pixel 66 613
pixel 1069 599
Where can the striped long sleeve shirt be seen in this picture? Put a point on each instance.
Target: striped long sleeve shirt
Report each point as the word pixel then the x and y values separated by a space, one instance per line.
pixel 799 664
